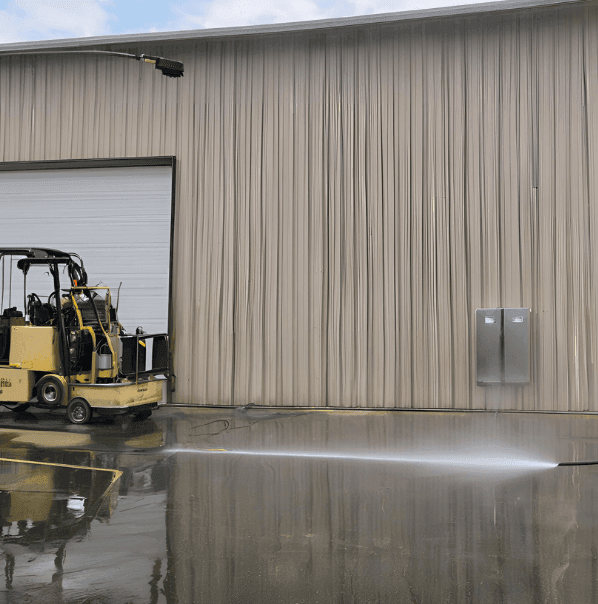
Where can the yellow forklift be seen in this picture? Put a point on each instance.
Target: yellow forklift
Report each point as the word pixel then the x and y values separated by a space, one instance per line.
pixel 71 351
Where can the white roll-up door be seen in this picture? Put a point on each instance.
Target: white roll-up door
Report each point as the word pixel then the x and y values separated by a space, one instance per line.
pixel 118 219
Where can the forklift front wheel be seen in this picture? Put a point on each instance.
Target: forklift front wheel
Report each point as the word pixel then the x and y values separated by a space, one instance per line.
pixel 78 411
pixel 50 391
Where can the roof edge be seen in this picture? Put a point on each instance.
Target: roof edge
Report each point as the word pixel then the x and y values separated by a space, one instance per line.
pixel 227 32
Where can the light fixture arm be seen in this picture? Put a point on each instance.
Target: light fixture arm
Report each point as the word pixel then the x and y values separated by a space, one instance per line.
pixel 168 67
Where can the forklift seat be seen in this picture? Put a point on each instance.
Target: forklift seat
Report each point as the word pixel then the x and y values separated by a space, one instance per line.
pixel 11 312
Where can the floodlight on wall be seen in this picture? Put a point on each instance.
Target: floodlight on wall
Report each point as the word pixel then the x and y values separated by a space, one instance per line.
pixel 168 67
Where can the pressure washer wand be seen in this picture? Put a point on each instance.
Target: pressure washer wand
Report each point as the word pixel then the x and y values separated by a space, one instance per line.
pixel 579 463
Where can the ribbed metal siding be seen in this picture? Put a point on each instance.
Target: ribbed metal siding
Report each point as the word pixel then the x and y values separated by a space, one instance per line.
pixel 346 200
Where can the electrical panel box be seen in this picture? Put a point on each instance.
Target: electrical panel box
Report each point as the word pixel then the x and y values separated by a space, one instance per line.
pixel 502 337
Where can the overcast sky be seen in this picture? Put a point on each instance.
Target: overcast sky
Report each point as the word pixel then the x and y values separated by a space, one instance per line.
pixel 22 20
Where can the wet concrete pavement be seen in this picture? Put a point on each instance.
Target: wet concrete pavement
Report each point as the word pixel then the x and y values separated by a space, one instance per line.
pixel 260 505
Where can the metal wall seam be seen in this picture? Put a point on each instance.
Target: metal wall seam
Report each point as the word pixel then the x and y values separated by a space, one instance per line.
pixel 590 108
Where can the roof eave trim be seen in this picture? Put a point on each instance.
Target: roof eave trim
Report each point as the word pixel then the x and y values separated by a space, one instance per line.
pixel 228 32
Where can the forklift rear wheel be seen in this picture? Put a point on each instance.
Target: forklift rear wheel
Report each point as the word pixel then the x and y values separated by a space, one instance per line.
pixel 78 411
pixel 143 414
pixel 50 391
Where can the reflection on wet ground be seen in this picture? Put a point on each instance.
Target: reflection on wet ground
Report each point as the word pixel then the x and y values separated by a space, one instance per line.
pixel 42 507
pixel 257 505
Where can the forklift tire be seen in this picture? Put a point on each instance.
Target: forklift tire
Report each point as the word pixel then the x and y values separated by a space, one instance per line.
pixel 50 391
pixel 143 414
pixel 78 411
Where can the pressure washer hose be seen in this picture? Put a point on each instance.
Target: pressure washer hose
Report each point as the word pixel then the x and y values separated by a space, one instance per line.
pixel 579 463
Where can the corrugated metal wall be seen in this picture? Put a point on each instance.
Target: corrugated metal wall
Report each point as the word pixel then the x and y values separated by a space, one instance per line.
pixel 346 200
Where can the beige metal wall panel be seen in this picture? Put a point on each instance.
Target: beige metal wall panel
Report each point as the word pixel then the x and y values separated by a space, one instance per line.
pixel 347 198
pixel 590 234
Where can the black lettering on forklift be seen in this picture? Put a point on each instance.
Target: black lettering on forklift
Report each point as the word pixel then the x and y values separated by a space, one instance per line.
pixel 4 383
pixel 141 389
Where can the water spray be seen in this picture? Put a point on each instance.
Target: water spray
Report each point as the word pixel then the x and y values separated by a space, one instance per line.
pixel 455 461
pixel 489 463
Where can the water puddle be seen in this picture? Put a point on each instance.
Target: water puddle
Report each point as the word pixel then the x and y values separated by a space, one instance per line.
pixel 43 506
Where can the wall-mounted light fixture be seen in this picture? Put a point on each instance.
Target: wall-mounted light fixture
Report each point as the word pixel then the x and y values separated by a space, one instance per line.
pixel 168 67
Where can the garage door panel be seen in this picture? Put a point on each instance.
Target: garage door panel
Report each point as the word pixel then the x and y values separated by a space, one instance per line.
pixel 117 219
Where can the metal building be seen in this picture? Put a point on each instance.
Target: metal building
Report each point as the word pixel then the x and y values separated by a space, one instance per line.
pixel 349 192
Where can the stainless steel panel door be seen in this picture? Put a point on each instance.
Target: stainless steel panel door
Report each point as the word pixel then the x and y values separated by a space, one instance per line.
pixel 516 345
pixel 489 345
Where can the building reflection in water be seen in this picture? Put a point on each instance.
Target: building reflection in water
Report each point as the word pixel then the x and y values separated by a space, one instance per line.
pixel 43 506
pixel 58 494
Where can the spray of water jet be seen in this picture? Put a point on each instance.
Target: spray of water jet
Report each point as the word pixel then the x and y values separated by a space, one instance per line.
pixel 449 460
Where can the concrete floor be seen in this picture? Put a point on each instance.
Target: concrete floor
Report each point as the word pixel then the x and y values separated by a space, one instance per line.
pixel 254 505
